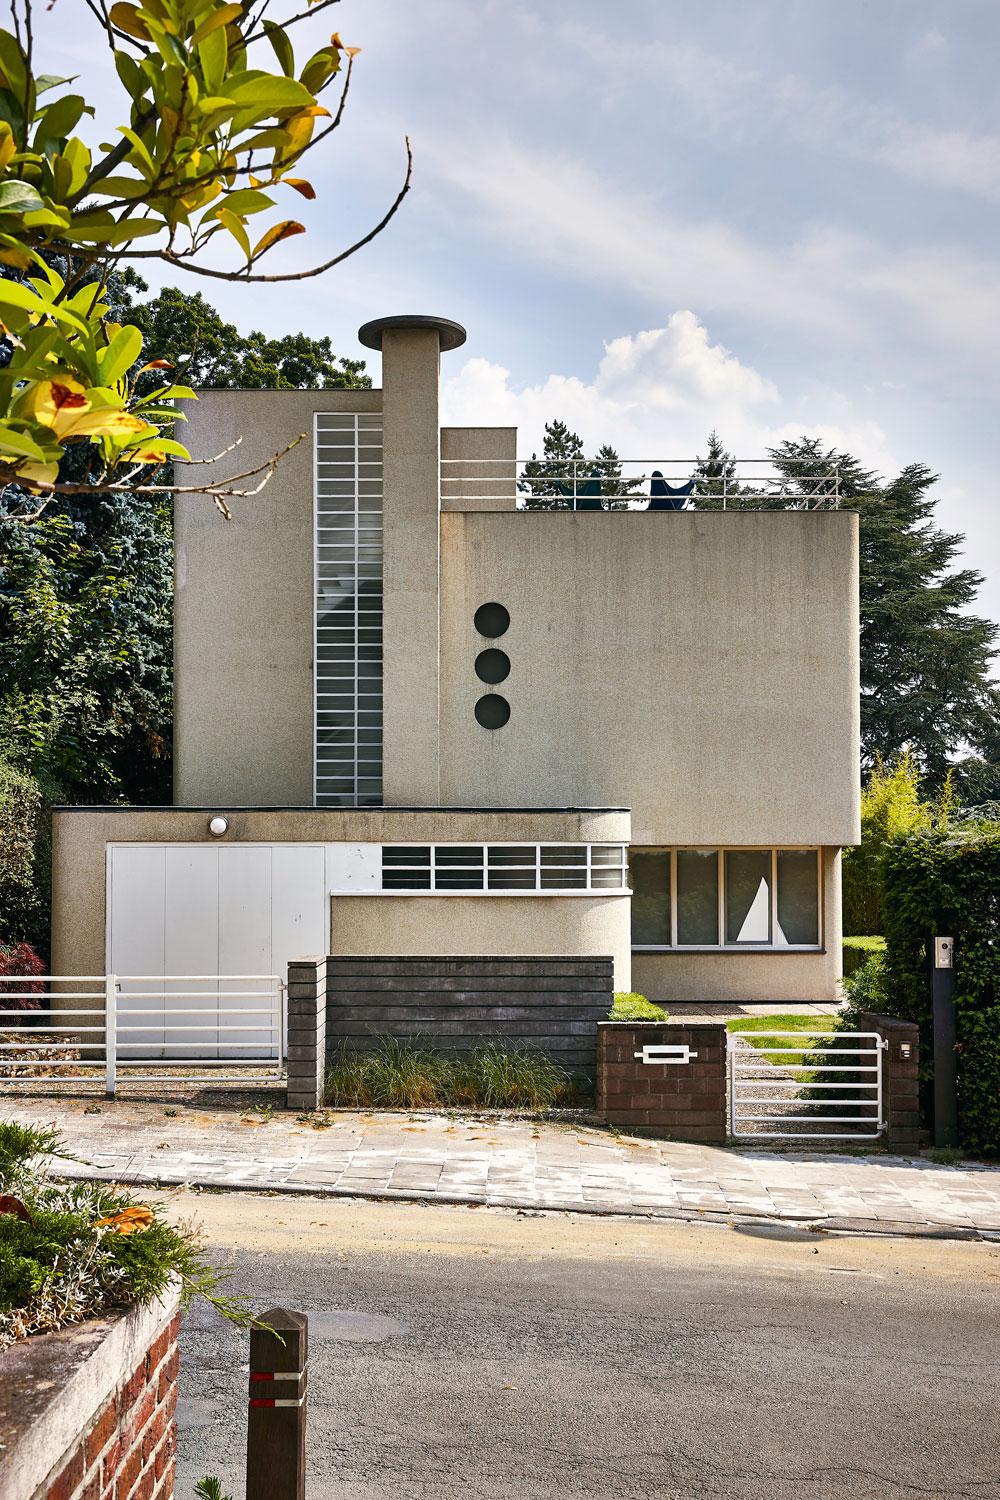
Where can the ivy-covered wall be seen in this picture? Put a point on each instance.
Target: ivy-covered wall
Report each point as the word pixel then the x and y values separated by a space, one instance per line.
pixel 948 882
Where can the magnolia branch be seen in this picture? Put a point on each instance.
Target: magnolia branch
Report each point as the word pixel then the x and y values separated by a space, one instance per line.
pixel 221 492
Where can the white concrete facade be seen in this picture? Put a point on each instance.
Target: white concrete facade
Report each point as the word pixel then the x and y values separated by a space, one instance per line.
pixel 683 681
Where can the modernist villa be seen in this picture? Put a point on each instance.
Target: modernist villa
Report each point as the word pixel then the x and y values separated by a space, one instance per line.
pixel 416 716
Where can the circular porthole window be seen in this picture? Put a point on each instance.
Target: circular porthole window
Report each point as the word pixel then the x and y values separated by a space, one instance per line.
pixel 492 665
pixel 492 711
pixel 491 620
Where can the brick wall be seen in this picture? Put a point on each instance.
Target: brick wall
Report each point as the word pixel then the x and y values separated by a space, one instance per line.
pixel 127 1450
pixel 900 1079
pixel 686 1101
pixel 306 1032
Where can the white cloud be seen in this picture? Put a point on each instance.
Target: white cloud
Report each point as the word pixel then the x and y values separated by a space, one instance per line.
pixel 658 393
pixel 834 282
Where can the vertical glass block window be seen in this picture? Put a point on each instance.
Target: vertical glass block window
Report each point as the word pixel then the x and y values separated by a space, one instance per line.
pixel 348 670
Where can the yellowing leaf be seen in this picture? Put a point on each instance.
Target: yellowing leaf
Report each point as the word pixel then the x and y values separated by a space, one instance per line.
pixel 7 144
pixel 129 1221
pixel 351 51
pixel 221 17
pixel 301 185
pixel 127 18
pixel 277 232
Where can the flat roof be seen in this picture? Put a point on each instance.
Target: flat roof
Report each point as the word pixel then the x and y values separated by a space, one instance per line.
pixel 163 807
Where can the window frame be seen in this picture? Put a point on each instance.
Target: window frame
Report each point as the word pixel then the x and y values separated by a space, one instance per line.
pixel 720 852
pixel 533 865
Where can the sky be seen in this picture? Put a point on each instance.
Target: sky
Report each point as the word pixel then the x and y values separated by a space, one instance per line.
pixel 656 217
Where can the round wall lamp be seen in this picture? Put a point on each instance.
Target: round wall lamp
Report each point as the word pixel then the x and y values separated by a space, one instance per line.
pixel 218 826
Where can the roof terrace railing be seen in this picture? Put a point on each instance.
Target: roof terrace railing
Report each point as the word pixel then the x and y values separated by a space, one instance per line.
pixel 636 484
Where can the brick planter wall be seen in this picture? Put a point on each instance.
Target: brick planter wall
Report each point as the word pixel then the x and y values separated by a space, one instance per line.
pixel 686 1101
pixel 87 1413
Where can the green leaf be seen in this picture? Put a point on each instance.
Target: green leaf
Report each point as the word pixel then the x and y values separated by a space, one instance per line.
pixel 12 63
pixel 120 355
pixel 266 94
pixel 283 49
pixel 13 441
pixel 114 232
pixel 19 197
pixel 60 119
pixel 213 54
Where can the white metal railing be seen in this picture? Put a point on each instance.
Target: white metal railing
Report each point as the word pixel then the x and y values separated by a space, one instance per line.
pixel 787 1091
pixel 635 484
pixel 231 1021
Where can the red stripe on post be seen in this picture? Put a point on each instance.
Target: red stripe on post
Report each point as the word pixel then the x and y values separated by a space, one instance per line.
pixel 261 1401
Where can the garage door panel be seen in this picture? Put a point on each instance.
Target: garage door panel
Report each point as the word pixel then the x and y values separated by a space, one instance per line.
pixel 136 922
pixel 244 937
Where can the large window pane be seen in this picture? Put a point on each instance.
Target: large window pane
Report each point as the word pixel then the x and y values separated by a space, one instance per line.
pixel 798 897
pixel 748 896
pixel 697 898
pixel 649 877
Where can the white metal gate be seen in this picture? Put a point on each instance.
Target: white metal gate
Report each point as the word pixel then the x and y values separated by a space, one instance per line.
pixel 127 1029
pixel 812 1085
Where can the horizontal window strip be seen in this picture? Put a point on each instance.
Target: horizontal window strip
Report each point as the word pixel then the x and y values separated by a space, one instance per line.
pixel 496 868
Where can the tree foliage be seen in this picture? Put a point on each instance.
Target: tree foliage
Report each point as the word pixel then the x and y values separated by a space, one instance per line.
pixel 565 476
pixel 925 658
pixel 891 807
pixel 185 329
pixel 218 114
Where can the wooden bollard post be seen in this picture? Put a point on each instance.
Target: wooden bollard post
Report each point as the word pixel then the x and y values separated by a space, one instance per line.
pixel 276 1424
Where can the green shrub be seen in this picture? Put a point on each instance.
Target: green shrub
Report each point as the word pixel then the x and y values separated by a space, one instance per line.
pixel 865 986
pixel 948 882
pixel 404 1075
pixel 74 1250
pixel 25 857
pixel 628 1006
pixel 858 950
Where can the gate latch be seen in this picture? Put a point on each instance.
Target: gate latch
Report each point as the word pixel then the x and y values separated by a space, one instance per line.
pixel 667 1053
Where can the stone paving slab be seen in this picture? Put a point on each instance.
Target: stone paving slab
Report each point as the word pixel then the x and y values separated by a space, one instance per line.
pixel 535 1165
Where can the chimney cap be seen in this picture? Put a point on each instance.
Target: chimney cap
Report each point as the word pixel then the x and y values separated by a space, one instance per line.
pixel 452 334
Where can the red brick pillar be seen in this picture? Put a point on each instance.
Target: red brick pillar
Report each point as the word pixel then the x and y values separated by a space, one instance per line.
pixel 684 1100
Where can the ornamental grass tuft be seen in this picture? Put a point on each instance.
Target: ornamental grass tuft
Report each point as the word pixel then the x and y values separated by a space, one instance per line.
pixel 406 1075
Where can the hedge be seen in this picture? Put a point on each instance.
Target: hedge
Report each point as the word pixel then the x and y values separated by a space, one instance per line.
pixel 858 950
pixel 948 882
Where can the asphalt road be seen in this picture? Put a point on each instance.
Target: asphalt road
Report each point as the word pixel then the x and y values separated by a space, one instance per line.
pixel 487 1354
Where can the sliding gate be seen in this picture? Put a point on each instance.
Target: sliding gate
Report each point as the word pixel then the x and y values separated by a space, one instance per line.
pixel 806 1085
pixel 128 1029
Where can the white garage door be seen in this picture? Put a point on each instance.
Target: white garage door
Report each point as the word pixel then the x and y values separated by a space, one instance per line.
pixel 210 909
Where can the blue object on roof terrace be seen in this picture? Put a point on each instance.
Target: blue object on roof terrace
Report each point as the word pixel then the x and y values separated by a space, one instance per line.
pixel 663 496
pixel 588 495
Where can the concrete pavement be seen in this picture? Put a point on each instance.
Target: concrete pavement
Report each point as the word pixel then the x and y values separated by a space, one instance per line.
pixel 512 1163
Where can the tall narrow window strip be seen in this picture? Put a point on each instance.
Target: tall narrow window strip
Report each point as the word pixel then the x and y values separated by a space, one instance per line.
pixel 348 609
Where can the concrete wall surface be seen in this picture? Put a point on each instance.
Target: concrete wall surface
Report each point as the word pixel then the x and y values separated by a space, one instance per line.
pixel 469 925
pixel 80 837
pixel 244 611
pixel 744 975
pixel 700 667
